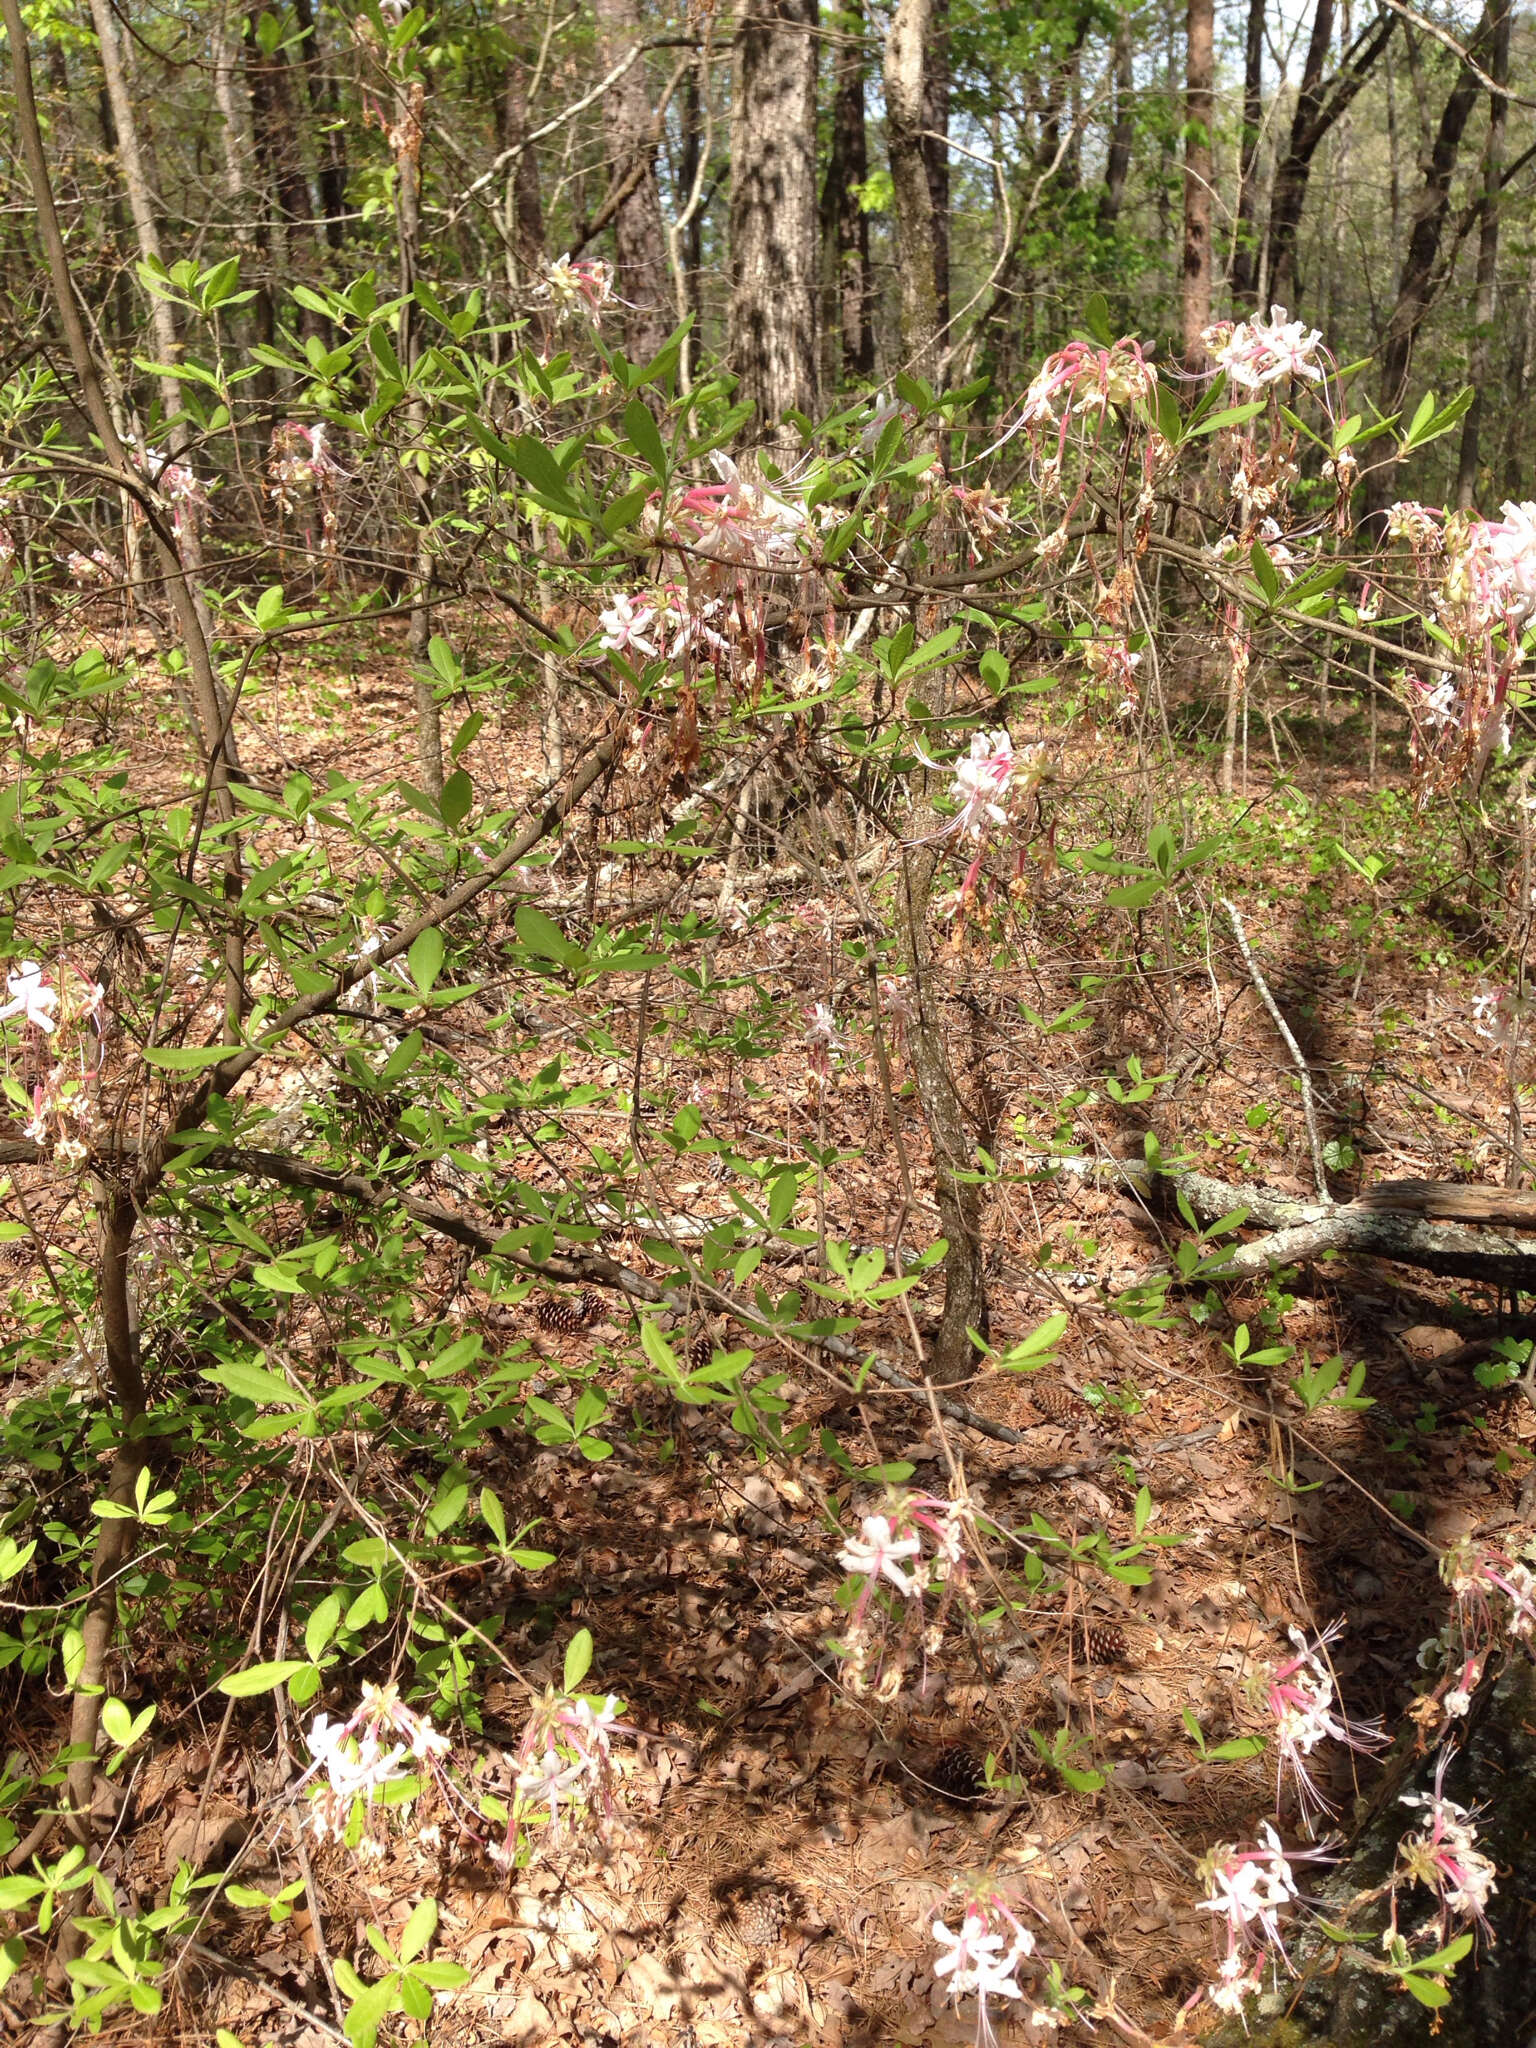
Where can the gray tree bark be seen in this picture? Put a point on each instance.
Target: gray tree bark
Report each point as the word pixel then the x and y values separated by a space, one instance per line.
pixel 906 98
pixel 1485 304
pixel 639 244
pixel 1199 105
pixel 772 338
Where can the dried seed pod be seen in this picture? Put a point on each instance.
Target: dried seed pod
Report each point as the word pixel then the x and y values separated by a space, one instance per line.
pixel 957 1774
pixel 1056 1402
pixel 557 1312
pixel 1102 1643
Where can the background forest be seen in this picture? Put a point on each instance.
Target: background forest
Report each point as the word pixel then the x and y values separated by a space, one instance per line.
pixel 766 872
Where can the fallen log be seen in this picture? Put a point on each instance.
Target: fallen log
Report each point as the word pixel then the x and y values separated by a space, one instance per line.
pixel 1394 1220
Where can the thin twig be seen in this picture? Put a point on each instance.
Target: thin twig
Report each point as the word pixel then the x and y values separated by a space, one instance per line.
pixel 1308 1105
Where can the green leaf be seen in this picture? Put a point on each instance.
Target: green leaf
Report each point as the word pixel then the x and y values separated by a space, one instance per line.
pixel 1096 320
pixel 642 432
pixel 653 1342
pixel 425 958
pixel 782 1196
pixel 578 1659
pixel 1448 1957
pixel 452 1498
pixel 1137 896
pixel 419 1929
pixel 253 1383
pixel 1233 416
pixel 189 1059
pixel 1264 569
pixel 1038 1346
pixel 401 1059
pixel 457 799
pixel 257 1678
pixel 541 935
pixel 493 1514
pixel 1425 1989
pixel 321 1626
pixel 271 612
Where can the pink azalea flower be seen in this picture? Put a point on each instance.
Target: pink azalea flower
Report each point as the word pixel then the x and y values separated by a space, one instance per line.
pixel 31 997
pixel 1301 1698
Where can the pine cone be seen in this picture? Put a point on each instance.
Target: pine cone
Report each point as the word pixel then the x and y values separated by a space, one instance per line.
pixel 757 1909
pixel 957 1774
pixel 1056 1402
pixel 1101 1642
pixel 593 1305
pixel 559 1313
pixel 701 1350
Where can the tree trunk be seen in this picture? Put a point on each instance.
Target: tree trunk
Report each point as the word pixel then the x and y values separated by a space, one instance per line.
pixel 320 88
pixel 772 335
pixel 1480 364
pixel 936 147
pixel 522 204
pixel 235 112
pixel 1415 280
pixel 845 224
pixel 130 157
pixel 689 159
pixel 1295 167
pixel 1318 106
pixel 1245 240
pixel 1199 91
pixel 1122 136
pixel 639 245
pixel 1517 384
pixel 406 140
pixel 906 47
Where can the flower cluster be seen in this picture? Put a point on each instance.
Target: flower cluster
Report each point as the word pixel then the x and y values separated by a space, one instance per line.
pixel 563 1760
pixel 62 1099
pixel 1498 1015
pixel 87 570
pixel 31 996
pixel 181 489
pixel 385 1750
pixel 1301 1698
pixel 982 1955
pixel 1256 353
pixel 1478 578
pixel 1082 378
pixel 578 287
pixel 1081 382
pixel 665 623
pixel 1248 1891
pixel 985 514
pixel 1495 1594
pixel 981 780
pixel 823 1041
pixel 1444 1856
pixel 360 1759
pixel 300 458
pixel 1111 662
pixel 895 1560
pixel 736 522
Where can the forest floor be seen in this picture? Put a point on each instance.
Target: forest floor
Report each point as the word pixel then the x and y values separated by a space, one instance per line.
pixel 779 1849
